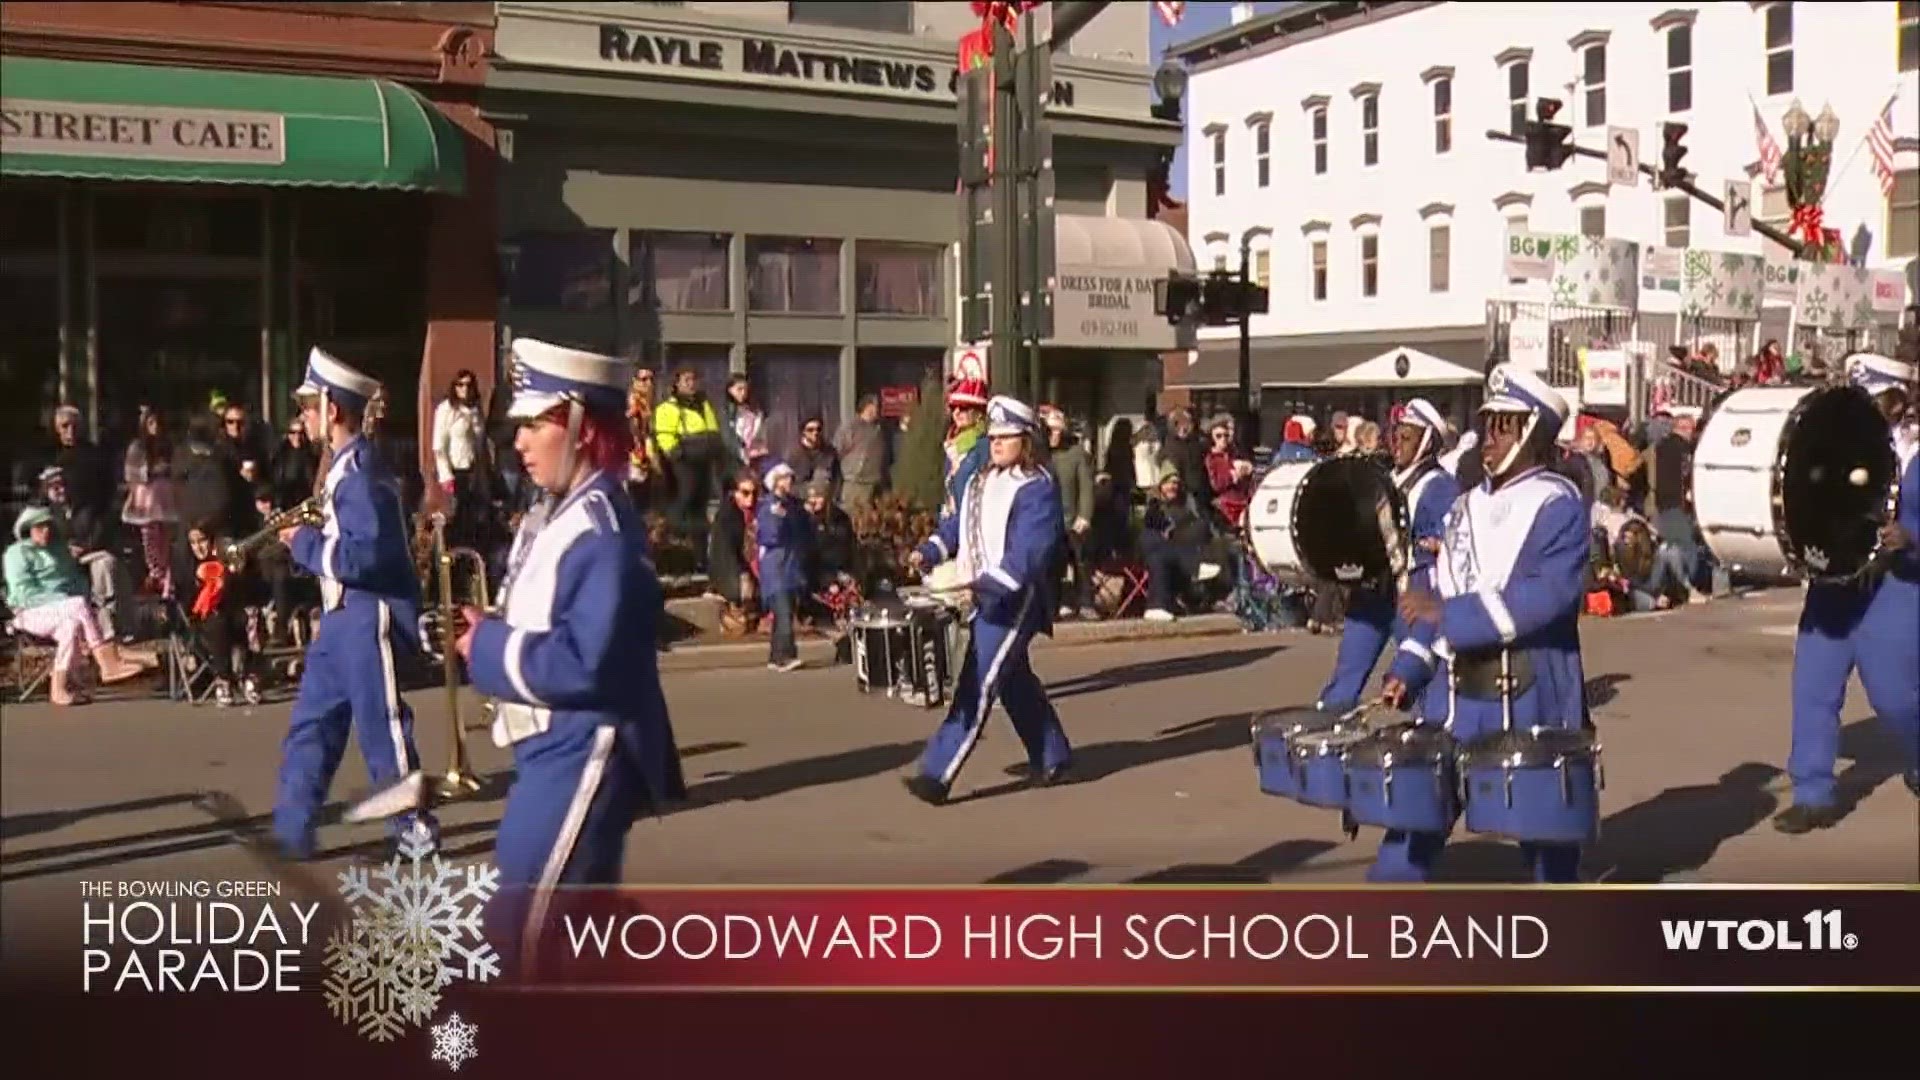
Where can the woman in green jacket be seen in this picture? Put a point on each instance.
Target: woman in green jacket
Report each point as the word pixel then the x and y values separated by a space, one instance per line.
pixel 48 595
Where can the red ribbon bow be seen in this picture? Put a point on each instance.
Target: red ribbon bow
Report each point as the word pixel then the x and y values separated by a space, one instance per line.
pixel 1807 221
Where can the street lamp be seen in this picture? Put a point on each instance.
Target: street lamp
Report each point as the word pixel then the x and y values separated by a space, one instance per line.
pixel 1808 159
pixel 1170 85
pixel 1827 127
pixel 1249 389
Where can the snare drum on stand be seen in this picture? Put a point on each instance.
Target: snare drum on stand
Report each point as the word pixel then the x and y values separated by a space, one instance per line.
pixel 1773 488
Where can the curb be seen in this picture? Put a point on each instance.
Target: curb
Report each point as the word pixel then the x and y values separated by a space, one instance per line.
pixel 818 652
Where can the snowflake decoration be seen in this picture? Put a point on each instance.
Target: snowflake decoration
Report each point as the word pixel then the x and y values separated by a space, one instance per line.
pixel 453 1042
pixel 419 931
pixel 1566 291
pixel 1742 302
pixel 1699 264
pixel 1733 262
pixel 1863 312
pixel 1714 290
pixel 1566 247
pixel 1814 307
pixel 1596 247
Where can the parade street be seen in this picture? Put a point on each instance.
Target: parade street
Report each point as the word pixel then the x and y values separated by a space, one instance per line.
pixel 795 778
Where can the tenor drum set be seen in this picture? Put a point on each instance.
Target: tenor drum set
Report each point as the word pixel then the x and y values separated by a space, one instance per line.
pixel 1795 482
pixel 909 646
pixel 1342 521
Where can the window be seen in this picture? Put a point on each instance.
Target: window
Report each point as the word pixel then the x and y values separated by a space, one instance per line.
pixel 1909 35
pixel 1220 162
pixel 1677 222
pixel 1320 141
pixel 1262 267
pixel 1780 48
pixel 787 274
pixel 894 17
pixel 1370 265
pixel 1593 221
pixel 1517 96
pixel 1594 72
pixel 1517 224
pixel 1319 270
pixel 675 271
pixel 1262 140
pixel 897 279
pixel 1442 115
pixel 1370 130
pixel 561 271
pixel 1903 216
pixel 1439 258
pixel 1679 69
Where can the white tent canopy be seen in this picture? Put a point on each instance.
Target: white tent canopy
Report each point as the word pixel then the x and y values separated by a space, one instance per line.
pixel 1423 369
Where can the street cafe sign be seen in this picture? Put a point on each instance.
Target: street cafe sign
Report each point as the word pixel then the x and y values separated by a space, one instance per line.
pixel 142 132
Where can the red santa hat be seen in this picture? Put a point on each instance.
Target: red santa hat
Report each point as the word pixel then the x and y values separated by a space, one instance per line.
pixel 963 391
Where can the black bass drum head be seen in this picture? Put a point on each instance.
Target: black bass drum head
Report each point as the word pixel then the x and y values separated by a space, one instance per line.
pixel 1350 523
pixel 1828 523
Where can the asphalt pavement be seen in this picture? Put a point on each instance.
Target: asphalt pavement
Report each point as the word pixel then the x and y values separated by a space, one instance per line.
pixel 795 777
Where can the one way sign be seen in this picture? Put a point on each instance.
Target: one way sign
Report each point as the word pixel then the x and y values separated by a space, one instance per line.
pixel 1623 156
pixel 1739 208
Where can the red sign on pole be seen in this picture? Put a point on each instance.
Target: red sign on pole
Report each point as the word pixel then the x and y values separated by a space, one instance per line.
pixel 898 401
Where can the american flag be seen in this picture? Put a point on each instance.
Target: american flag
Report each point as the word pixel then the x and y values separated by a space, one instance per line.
pixel 1880 143
pixel 1769 150
pixel 1170 11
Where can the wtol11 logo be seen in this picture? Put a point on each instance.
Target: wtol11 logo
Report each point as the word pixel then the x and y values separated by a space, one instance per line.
pixel 1816 931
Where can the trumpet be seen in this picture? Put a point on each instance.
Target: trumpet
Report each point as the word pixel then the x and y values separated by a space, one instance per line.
pixel 235 553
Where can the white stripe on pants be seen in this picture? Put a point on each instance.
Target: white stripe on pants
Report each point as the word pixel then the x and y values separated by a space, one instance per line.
pixel 68 622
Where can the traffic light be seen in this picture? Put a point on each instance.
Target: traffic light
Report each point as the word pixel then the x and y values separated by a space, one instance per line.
pixel 1547 146
pixel 1177 297
pixel 1671 174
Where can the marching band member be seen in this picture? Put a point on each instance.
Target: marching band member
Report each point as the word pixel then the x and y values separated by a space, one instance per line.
pixel 1873 624
pixel 370 597
pixel 1511 578
pixel 1419 438
pixel 966 445
pixel 573 659
pixel 1004 538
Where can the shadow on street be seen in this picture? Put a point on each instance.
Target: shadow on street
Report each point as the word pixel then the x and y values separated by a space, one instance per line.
pixel 1176 667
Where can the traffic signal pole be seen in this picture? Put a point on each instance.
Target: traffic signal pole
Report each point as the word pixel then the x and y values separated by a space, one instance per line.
pixel 1793 246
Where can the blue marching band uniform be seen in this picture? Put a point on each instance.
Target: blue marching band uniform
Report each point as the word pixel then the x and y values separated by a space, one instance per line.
pixel 1004 535
pixel 572 661
pixel 370 596
pixel 1872 624
pixel 1372 622
pixel 1511 578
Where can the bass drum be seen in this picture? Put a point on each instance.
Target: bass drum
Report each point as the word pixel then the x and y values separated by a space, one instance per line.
pixel 1270 521
pixel 1350 523
pixel 1773 488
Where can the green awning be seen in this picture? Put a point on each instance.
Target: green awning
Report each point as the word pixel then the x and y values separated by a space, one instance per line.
pixel 100 121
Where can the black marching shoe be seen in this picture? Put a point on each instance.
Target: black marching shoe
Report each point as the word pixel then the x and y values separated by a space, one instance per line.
pixel 926 789
pixel 1795 820
pixel 1059 774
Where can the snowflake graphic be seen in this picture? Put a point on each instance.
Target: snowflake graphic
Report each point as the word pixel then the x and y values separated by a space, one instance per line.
pixel 1566 291
pixel 1814 307
pixel 418 930
pixel 1566 247
pixel 453 1042
pixel 1699 264
pixel 1734 262
pixel 1742 302
pixel 1714 290
pixel 1863 312
pixel 1596 247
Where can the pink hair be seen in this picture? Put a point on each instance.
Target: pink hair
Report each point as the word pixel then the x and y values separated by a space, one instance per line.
pixel 605 441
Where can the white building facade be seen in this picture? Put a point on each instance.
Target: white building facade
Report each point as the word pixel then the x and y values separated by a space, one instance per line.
pixel 1346 145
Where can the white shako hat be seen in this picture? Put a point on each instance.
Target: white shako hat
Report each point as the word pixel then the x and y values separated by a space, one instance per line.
pixel 546 375
pixel 328 378
pixel 1877 374
pixel 1005 416
pixel 1520 391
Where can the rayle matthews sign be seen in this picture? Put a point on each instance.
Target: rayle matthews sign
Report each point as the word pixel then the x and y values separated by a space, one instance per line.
pixel 142 132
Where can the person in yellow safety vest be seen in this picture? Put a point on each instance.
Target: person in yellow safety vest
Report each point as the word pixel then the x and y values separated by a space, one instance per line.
pixel 687 430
